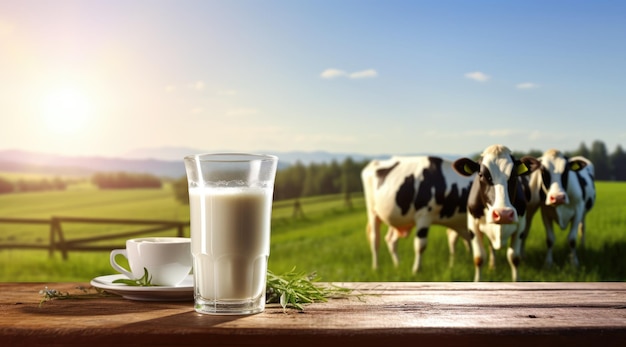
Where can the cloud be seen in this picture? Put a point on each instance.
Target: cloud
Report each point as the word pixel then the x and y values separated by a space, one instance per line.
pixel 197 110
pixel 198 85
pixel 501 132
pixel 535 135
pixel 227 92
pixel 527 85
pixel 241 111
pixel 370 73
pixel 477 76
pixel 336 73
pixel 495 133
pixel 333 73
pixel 323 139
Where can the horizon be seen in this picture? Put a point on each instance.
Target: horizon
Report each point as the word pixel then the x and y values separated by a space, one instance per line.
pixel 106 78
pixel 176 154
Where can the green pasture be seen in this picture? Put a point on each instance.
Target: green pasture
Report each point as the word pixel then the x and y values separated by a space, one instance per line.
pixel 329 238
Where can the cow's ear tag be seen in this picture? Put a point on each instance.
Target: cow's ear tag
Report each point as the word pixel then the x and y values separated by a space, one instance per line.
pixel 575 166
pixel 468 169
pixel 522 169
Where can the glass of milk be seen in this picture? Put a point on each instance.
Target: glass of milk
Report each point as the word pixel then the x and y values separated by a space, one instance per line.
pixel 230 200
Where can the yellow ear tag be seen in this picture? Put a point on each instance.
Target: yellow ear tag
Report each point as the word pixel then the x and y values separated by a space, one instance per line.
pixel 575 166
pixel 522 169
pixel 468 169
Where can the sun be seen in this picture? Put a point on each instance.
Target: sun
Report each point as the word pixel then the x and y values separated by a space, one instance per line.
pixel 66 110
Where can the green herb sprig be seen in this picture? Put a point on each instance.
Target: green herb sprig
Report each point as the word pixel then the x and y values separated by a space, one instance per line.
pixel 144 281
pixel 296 289
pixel 291 289
pixel 85 293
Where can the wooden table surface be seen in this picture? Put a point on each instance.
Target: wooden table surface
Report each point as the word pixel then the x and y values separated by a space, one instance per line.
pixel 386 314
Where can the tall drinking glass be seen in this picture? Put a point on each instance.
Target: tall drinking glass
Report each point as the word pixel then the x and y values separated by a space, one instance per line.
pixel 230 200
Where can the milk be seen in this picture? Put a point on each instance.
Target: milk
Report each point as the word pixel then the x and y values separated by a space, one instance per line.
pixel 230 235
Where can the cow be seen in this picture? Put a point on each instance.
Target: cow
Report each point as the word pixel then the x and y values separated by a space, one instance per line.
pixel 408 192
pixel 496 204
pixel 564 190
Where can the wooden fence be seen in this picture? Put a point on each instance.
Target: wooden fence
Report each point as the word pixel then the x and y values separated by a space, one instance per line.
pixel 58 241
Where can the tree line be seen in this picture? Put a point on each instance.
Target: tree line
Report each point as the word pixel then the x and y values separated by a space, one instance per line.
pixel 125 180
pixel 299 180
pixel 607 166
pixel 102 180
pixel 32 185
pixel 335 177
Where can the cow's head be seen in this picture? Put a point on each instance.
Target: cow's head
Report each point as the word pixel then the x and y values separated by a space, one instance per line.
pixel 496 184
pixel 555 169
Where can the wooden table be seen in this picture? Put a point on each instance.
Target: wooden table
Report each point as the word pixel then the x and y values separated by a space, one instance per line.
pixel 387 314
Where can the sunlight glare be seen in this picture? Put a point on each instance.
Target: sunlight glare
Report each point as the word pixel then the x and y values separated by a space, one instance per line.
pixel 66 110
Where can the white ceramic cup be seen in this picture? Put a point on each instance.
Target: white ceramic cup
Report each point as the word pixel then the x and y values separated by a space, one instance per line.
pixel 167 259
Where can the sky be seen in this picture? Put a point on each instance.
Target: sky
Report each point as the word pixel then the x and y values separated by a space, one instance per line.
pixel 371 77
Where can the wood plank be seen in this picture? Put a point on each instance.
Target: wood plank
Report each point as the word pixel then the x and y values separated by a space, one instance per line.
pixel 24 220
pixel 23 246
pixel 117 235
pixel 512 314
pixel 65 219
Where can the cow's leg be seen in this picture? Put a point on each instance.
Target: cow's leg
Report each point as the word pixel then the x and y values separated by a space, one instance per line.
pixel 581 232
pixel 513 258
pixel 373 236
pixel 571 238
pixel 530 213
pixel 392 244
pixel 420 242
pixel 492 257
pixel 547 223
pixel 513 254
pixel 478 249
pixel 453 236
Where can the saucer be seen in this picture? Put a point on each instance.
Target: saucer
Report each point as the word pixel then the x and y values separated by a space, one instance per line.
pixel 180 292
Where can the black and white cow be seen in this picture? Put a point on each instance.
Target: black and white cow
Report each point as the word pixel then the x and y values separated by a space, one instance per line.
pixel 496 204
pixel 564 190
pixel 407 192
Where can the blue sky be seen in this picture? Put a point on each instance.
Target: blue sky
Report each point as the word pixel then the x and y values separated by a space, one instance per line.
pixel 370 77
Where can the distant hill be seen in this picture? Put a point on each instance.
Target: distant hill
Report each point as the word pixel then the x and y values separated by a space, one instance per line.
pixel 165 162
pixel 288 158
pixel 178 153
pixel 32 162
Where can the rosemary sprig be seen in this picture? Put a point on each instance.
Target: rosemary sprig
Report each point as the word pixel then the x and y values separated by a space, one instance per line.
pixel 85 293
pixel 144 281
pixel 296 289
pixel 291 289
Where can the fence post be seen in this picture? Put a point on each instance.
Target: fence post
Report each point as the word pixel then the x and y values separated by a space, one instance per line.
pixel 56 225
pixel 297 209
pixel 52 240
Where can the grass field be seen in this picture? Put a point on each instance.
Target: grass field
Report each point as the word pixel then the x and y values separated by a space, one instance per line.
pixel 329 240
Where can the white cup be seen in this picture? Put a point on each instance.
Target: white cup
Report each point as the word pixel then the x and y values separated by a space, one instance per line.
pixel 167 259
